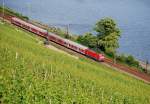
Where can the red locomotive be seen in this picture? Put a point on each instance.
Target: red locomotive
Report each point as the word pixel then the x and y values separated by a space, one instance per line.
pixel 57 39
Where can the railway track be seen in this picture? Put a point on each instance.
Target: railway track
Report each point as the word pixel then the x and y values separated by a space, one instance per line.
pixel 131 71
pixel 125 69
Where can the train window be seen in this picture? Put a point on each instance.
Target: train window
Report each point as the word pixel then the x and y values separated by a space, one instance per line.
pixel 33 30
pixel 72 46
pixel 65 43
pixel 24 26
pixel 52 38
pixel 18 23
pixel 40 33
pixel 59 40
pixel 75 47
pixel 27 27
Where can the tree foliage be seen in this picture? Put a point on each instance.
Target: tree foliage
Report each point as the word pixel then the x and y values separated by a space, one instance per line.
pixel 106 38
pixel 107 34
pixel 88 39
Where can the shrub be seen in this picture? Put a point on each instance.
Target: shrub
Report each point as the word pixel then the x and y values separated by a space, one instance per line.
pixel 121 58
pixel 129 60
pixel 110 53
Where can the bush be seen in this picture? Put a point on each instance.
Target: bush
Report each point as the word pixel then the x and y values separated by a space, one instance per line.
pixel 129 60
pixel 88 39
pixel 121 58
pixel 110 53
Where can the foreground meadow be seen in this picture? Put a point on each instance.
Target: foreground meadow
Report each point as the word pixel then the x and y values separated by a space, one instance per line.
pixel 33 74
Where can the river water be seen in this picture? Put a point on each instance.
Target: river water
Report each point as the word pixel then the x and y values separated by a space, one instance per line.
pixel 132 16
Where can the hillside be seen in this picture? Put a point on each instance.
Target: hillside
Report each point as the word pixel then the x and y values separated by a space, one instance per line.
pixel 31 73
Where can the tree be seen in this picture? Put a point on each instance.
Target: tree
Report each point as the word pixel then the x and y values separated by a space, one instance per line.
pixel 108 34
pixel 88 40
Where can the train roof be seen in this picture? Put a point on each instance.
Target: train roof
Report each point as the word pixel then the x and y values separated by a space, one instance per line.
pixel 76 44
pixel 28 24
pixel 68 41
pixel 52 34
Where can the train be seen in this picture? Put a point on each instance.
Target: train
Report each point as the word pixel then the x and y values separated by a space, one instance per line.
pixel 57 39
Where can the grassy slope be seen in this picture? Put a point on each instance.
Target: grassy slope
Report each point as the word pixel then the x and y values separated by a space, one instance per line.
pixel 30 73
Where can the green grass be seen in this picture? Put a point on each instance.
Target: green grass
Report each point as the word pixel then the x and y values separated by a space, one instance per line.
pixel 33 74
